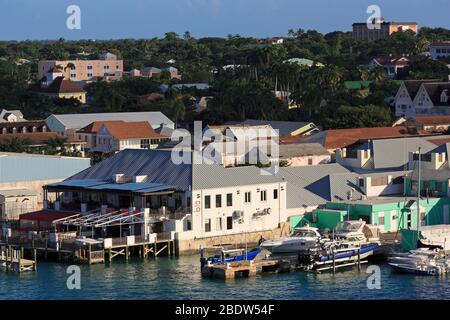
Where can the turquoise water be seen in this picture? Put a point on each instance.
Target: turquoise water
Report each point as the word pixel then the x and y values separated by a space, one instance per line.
pixel 179 278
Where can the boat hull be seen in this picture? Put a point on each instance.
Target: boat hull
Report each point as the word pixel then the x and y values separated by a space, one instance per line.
pixel 404 268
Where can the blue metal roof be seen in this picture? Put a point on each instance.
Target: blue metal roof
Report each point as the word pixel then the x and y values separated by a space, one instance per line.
pixel 79 183
pixel 16 167
pixel 156 188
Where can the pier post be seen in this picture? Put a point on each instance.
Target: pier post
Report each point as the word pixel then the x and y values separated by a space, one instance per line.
pixel 126 253
pixel 334 262
pixel 35 259
pixel 359 259
pixel 109 255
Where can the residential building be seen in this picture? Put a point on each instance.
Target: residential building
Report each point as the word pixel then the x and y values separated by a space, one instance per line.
pixel 60 88
pixel 11 116
pixel 440 50
pixel 405 96
pixel 384 154
pixel 112 136
pixel 15 202
pixel 361 31
pixel 68 124
pixel 274 40
pixel 108 68
pixel 22 177
pixel 284 128
pixel 390 65
pixel 430 123
pixel 150 72
pixel 341 138
pixel 305 154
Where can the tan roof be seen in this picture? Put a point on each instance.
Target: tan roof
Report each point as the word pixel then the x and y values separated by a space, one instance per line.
pixel 432 120
pixel 126 130
pixel 339 138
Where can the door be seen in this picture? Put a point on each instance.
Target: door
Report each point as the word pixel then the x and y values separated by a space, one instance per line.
pixel 446 217
pixel 394 221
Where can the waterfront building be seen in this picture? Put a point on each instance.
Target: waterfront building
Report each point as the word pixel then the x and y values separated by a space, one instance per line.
pixel 107 68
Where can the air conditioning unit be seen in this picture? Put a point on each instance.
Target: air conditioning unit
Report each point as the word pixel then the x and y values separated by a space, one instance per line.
pixel 238 214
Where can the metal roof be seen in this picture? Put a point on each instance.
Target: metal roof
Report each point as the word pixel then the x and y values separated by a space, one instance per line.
pixel 17 193
pixel 30 167
pixel 394 153
pixel 132 186
pixel 284 128
pixel 78 121
pixel 78 183
pixel 157 165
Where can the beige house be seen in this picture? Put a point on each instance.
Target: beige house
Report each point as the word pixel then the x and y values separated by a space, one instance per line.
pixel 114 136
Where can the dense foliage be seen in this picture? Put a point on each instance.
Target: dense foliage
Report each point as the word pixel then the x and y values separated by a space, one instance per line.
pixel 240 92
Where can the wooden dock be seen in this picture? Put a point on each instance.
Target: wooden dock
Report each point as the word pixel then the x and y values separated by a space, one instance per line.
pixel 13 260
pixel 91 251
pixel 247 268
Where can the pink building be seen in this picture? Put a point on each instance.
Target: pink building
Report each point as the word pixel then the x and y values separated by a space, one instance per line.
pixel 108 67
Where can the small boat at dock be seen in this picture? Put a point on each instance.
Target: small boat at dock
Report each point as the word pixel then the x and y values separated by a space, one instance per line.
pixel 300 239
pixel 221 254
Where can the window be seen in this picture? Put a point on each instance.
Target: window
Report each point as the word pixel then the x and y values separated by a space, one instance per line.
pixel 218 200
pixel 397 180
pixel 207 202
pixel 229 199
pixel 361 182
pixel 263 195
pixel 380 181
pixel 219 224
pixel 229 223
pixel 310 161
pixel 145 144
pixel 381 219
pixel 248 197
pixel 275 193
pixel 208 225
pixel 89 67
pixel 438 186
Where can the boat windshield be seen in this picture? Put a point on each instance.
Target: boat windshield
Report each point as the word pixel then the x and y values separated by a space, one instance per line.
pixel 304 233
pixel 349 226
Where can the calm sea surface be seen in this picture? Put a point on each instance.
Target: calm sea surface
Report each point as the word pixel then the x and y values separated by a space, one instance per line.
pixel 179 278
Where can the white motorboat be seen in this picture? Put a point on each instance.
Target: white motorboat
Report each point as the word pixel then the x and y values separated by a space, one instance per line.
pixel 300 239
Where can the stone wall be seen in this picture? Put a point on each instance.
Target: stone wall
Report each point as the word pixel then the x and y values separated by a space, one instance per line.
pixel 192 246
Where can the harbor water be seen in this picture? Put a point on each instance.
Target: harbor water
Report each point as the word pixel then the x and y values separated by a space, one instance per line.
pixel 180 278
